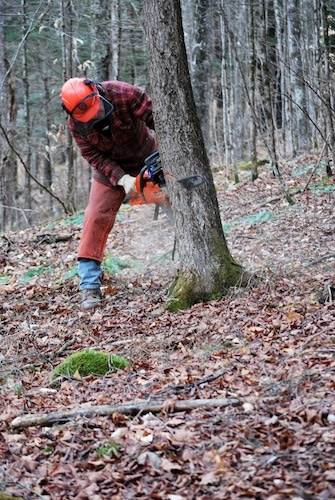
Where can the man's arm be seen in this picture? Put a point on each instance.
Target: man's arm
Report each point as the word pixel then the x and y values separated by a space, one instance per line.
pixel 98 160
pixel 141 107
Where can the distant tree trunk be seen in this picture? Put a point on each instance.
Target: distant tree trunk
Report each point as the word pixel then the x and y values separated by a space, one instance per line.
pixel 8 112
pixel 26 108
pixel 207 269
pixel 239 116
pixel 201 63
pixel 315 76
pixel 67 67
pixel 132 66
pixel 101 27
pixel 115 41
pixel 328 85
pixel 227 104
pixel 266 90
pixel 47 170
pixel 252 77
pixel 298 89
pixel 239 76
pixel 281 30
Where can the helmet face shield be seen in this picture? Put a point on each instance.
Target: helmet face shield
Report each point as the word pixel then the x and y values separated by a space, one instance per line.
pixel 102 112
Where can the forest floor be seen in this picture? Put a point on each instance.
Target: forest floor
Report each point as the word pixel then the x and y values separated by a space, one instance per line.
pixel 265 355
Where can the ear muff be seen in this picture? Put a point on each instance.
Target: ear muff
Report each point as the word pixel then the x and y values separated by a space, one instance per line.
pixel 97 85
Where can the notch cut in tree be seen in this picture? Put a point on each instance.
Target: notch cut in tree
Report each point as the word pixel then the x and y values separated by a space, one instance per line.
pixel 207 269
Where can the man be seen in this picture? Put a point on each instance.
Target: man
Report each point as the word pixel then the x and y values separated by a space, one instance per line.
pixel 112 124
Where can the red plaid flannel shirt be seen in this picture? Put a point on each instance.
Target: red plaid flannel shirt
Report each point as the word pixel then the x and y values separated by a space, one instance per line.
pixel 130 140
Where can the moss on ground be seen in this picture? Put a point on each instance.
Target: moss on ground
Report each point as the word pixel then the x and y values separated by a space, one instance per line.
pixel 89 362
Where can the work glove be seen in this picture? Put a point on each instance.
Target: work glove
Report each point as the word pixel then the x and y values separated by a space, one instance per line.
pixel 128 184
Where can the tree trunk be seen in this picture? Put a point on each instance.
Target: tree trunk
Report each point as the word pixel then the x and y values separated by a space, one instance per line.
pixel 201 65
pixel 252 77
pixel 115 41
pixel 26 95
pixel 8 112
pixel 47 170
pixel 226 98
pixel 207 269
pixel 101 27
pixel 298 89
pixel 328 94
pixel 67 60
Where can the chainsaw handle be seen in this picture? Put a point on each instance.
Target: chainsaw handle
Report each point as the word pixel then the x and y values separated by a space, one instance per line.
pixel 152 159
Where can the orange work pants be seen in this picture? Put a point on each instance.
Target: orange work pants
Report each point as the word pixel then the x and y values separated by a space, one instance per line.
pixel 103 205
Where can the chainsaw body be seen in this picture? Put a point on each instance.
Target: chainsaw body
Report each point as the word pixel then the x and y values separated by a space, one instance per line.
pixel 149 182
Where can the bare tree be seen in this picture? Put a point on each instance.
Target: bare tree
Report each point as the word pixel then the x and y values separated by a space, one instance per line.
pixel 66 14
pixel 252 78
pixel 201 63
pixel 115 40
pixel 226 89
pixel 328 79
pixel 8 114
pixel 207 269
pixel 297 79
pixel 26 107
pixel 101 38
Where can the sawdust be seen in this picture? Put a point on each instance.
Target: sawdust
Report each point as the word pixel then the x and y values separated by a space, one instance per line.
pixel 142 241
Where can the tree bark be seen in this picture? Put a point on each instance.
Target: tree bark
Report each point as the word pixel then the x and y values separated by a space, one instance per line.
pixel 207 269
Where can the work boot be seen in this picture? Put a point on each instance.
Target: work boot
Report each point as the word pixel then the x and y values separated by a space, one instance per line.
pixel 90 298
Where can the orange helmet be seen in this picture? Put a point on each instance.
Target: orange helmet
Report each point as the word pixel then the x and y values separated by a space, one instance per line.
pixel 80 99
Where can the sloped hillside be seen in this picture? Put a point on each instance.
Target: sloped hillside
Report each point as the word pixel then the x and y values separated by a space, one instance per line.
pixel 259 363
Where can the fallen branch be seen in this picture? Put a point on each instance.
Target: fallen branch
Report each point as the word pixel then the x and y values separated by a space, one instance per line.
pixel 52 238
pixel 177 389
pixel 320 259
pixel 62 349
pixel 277 198
pixel 131 408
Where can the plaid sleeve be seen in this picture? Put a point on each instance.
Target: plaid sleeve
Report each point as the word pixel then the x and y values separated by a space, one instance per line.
pixel 142 107
pixel 98 160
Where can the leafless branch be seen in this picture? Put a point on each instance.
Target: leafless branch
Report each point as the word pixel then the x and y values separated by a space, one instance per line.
pixel 131 408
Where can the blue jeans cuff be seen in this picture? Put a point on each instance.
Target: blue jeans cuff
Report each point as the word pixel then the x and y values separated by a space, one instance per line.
pixel 89 272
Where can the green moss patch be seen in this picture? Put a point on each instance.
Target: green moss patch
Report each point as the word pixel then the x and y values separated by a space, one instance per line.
pixel 89 362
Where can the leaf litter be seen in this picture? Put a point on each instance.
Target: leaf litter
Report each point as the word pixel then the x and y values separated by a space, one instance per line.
pixel 272 347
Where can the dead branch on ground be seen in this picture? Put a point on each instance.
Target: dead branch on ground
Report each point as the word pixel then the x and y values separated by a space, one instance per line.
pixel 131 408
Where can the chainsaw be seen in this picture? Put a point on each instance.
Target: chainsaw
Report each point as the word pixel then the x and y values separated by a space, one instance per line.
pixel 150 182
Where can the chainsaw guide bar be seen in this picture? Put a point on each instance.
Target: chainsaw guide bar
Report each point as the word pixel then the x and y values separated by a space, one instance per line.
pixel 192 181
